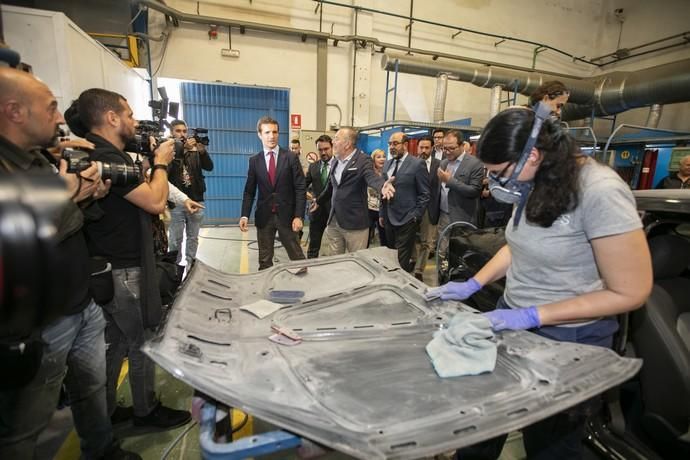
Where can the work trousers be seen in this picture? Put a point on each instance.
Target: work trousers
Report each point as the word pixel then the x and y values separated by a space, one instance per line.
pixel 181 222
pixel 316 228
pixel 124 336
pixel 341 241
pixel 266 236
pixel 74 352
pixel 402 238
pixel 425 243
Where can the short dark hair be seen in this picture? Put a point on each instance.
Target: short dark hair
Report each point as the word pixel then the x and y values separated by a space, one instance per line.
pixel 295 141
pixel 426 138
pixel 177 122
pixel 266 120
pixel 457 134
pixel 95 102
pixel 438 130
pixel 553 89
pixel 324 138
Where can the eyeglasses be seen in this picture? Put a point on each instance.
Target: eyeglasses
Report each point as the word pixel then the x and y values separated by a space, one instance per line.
pixel 451 148
pixel 499 177
pixel 394 143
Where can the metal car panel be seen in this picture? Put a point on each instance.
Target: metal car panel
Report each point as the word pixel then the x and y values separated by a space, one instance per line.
pixel 360 381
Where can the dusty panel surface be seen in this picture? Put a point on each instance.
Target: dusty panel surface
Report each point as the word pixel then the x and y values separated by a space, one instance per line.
pixel 360 381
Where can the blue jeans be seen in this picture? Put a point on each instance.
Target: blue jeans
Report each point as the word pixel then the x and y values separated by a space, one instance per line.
pixel 124 336
pixel 180 220
pixel 74 351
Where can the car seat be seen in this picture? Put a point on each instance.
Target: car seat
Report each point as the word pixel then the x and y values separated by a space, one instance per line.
pixel 660 333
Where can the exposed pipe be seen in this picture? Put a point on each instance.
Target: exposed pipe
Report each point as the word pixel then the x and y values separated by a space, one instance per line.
pixel 601 95
pixel 440 98
pixel 457 29
pixel 654 115
pixel 683 35
pixel 302 33
pixel 495 100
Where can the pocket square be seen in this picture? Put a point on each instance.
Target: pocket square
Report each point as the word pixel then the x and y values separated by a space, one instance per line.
pixel 352 169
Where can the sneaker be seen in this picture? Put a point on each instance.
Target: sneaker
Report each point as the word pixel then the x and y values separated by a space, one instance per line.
pixel 122 414
pixel 117 453
pixel 163 417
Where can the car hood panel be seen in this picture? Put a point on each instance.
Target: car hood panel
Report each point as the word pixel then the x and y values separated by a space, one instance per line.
pixel 361 381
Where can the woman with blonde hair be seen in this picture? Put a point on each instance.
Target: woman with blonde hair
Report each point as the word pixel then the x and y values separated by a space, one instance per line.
pixel 378 156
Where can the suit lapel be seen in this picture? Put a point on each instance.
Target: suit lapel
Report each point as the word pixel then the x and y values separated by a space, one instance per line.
pixel 261 170
pixel 282 163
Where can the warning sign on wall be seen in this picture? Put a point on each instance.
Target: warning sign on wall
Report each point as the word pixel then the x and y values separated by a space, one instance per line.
pixel 295 121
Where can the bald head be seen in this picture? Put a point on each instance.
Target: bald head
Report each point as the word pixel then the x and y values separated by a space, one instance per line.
pixel 684 167
pixel 29 116
pixel 344 142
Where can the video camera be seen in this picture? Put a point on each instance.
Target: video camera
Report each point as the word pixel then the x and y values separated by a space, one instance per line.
pixel 200 135
pixel 146 130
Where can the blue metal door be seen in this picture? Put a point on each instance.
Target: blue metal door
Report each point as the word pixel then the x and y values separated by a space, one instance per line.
pixel 230 113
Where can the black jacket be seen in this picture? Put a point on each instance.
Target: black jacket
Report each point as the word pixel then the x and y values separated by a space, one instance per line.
pixel 195 186
pixel 65 287
pixel 288 194
pixel 313 179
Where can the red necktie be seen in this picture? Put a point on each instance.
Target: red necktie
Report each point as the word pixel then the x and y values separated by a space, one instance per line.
pixel 272 168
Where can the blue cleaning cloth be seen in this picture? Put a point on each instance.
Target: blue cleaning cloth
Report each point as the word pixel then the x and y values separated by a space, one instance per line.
pixel 467 347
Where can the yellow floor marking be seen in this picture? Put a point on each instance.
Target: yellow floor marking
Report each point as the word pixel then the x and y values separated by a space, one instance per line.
pixel 244 255
pixel 69 450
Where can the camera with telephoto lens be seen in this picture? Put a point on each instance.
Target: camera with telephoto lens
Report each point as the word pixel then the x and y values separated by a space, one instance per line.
pixel 118 173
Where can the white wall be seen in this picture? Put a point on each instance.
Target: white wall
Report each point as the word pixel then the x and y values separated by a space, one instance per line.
pixel 580 27
pixel 68 60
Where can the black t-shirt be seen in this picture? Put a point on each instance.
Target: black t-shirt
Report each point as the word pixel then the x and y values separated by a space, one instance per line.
pixel 117 235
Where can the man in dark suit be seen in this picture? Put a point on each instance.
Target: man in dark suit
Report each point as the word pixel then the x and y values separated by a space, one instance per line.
pixel 461 177
pixel 277 174
pixel 402 214
pixel 427 227
pixel 348 222
pixel 317 178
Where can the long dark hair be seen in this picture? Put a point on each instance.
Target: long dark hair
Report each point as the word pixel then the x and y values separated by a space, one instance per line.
pixel 556 181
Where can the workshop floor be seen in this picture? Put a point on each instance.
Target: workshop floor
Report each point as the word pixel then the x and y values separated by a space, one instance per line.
pixel 227 249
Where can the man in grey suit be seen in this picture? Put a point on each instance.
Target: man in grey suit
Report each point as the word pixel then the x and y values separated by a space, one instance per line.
pixel 427 227
pixel 402 214
pixel 461 177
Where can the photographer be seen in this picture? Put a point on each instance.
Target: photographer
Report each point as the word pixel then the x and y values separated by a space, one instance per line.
pixel 186 174
pixel 64 340
pixel 123 236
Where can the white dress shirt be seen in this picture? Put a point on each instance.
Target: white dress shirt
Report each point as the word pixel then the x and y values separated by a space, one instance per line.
pixel 340 167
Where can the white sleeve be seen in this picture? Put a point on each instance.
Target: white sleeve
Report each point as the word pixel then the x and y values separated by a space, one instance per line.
pixel 175 195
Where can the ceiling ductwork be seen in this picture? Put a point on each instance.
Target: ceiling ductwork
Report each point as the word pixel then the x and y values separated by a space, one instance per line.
pixel 605 94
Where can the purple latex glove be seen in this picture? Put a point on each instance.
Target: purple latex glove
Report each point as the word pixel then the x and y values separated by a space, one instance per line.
pixel 454 290
pixel 514 319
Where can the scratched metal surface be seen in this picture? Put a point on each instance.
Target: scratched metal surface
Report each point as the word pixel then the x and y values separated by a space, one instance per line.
pixel 361 381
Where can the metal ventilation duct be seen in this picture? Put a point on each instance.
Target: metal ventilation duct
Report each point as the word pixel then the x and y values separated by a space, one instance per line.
pixel 605 94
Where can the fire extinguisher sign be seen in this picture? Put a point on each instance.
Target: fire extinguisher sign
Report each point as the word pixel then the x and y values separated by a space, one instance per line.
pixel 295 121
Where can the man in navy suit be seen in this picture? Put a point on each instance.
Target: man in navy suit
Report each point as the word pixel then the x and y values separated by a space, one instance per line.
pixel 427 227
pixel 277 174
pixel 348 221
pixel 317 178
pixel 402 214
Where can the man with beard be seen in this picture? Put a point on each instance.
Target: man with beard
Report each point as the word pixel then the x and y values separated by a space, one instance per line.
pixel 317 178
pixel 123 236
pixel 69 332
